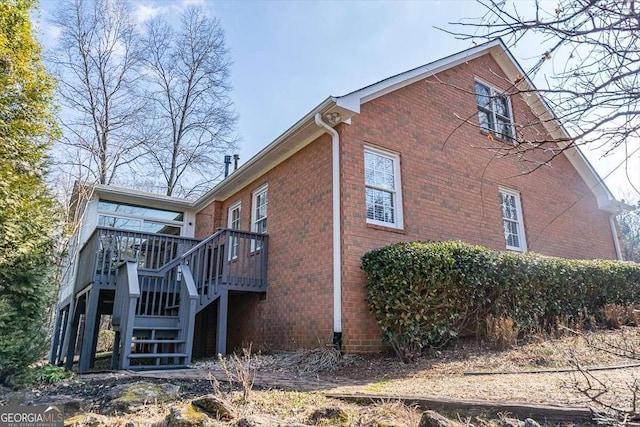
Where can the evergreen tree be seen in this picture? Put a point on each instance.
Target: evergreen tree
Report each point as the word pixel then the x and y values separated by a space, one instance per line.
pixel 27 211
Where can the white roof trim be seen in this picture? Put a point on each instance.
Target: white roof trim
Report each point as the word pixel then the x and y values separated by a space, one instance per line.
pixel 303 131
pixel 388 85
pixel 119 194
pixel 605 199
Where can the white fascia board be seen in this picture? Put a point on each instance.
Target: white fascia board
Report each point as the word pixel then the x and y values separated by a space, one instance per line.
pixel 303 132
pixel 605 199
pixel 119 194
pixel 509 65
pixel 354 99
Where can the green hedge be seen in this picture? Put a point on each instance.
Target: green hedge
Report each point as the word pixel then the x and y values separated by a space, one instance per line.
pixel 424 293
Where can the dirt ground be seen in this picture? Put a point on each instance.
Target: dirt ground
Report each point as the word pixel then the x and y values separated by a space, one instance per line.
pixel 292 385
pixel 531 373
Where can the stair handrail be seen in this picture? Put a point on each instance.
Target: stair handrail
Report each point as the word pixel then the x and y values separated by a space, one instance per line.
pixel 126 297
pixel 188 301
pixel 179 260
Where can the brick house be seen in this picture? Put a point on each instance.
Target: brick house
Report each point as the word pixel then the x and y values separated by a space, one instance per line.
pixel 413 157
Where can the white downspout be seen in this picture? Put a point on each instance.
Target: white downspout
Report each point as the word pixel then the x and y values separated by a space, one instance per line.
pixel 337 257
pixel 614 233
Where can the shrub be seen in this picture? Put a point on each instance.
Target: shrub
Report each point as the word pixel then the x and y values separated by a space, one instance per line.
pixel 24 316
pixel 410 296
pixel 423 294
pixel 50 374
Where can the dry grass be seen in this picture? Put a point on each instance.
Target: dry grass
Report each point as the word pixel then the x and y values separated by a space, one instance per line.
pixel 286 406
pixel 445 375
pixel 501 331
pixel 304 361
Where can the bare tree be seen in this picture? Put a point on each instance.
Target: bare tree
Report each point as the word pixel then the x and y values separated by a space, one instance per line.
pixel 192 122
pixel 587 68
pixel 96 60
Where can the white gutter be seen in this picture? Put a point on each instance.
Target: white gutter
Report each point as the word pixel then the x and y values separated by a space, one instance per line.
pixel 337 256
pixel 614 233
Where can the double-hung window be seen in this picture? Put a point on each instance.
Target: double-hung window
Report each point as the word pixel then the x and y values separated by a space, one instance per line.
pixel 233 222
pixel 260 203
pixel 382 187
pixel 512 223
pixel 494 111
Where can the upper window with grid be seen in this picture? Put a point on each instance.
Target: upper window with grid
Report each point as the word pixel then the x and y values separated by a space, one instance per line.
pixel 494 111
pixel 512 223
pixel 382 188
pixel 260 203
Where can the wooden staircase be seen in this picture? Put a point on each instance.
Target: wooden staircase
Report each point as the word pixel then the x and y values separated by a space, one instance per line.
pixel 154 310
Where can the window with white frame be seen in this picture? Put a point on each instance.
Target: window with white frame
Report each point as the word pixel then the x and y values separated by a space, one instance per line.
pixel 260 202
pixel 512 222
pixel 494 111
pixel 233 222
pixel 382 187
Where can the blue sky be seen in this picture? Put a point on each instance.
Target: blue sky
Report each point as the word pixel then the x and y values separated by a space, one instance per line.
pixel 288 56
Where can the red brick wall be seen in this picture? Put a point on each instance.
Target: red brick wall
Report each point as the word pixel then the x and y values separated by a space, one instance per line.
pixel 450 190
pixel 298 308
pixel 208 220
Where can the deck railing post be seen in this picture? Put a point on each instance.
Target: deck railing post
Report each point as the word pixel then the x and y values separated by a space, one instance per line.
pixel 187 310
pixel 130 287
pixel 264 262
pixel 225 249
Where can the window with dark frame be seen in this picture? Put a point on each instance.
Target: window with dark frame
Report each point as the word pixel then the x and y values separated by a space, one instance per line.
pixel 494 111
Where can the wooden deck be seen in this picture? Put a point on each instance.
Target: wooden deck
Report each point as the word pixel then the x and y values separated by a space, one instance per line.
pixel 153 286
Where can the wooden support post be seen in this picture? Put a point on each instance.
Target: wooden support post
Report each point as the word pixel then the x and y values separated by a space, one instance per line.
pixel 72 334
pixel 96 333
pixel 55 342
pixel 223 311
pixel 88 340
pixel 115 356
pixel 65 329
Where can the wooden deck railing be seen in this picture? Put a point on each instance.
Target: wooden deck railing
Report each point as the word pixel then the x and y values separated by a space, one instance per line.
pixel 237 259
pixel 108 247
pixel 234 258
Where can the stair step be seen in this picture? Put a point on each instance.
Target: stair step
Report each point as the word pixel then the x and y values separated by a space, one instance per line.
pixel 155 355
pixel 157 367
pixel 156 341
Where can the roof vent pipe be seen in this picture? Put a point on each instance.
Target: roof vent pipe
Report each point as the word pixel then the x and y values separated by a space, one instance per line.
pixel 236 157
pixel 227 163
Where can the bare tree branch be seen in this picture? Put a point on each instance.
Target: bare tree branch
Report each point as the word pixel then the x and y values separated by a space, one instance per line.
pixel 188 71
pixel 96 61
pixel 589 62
